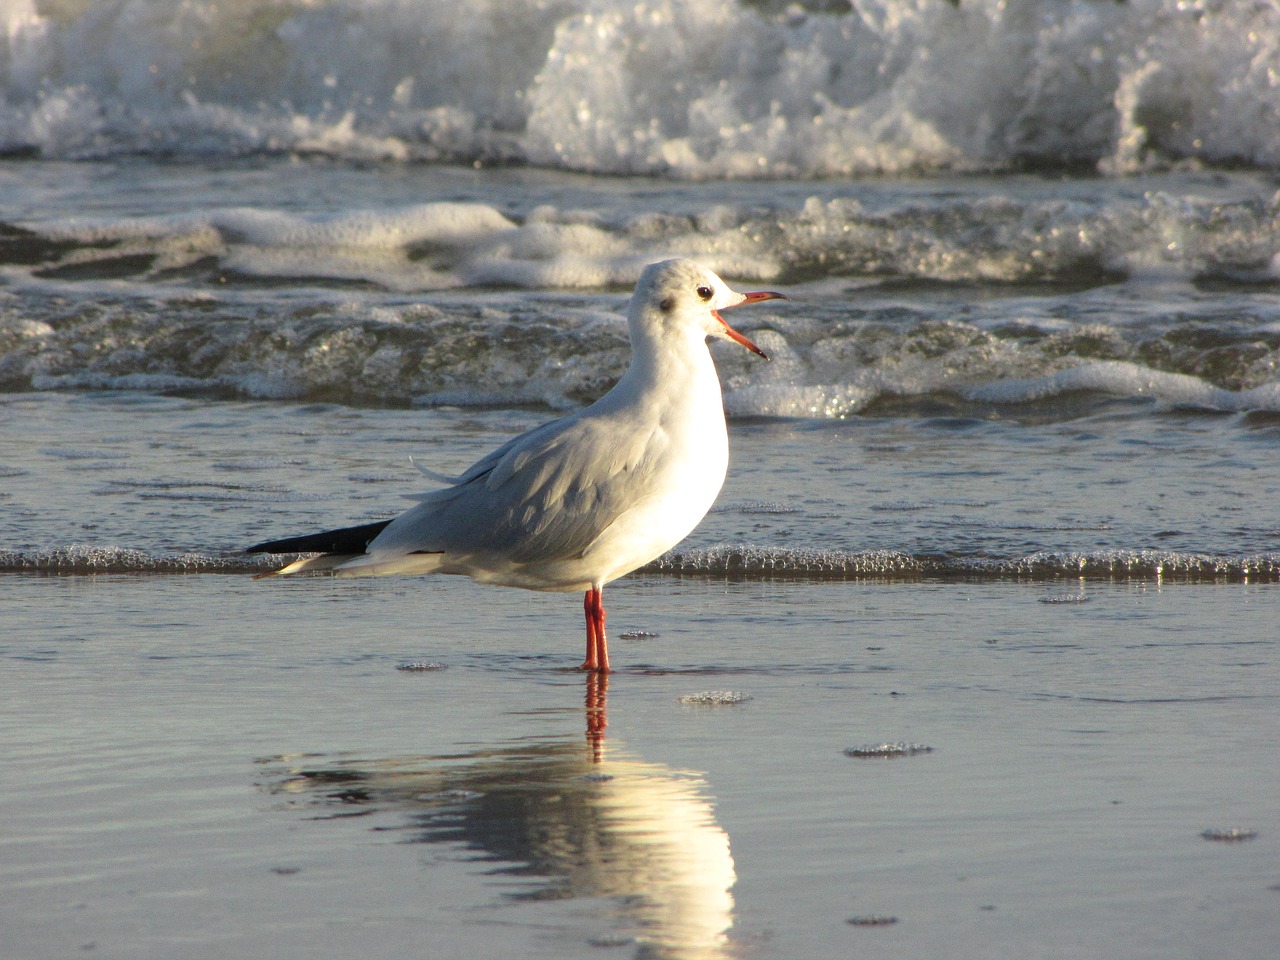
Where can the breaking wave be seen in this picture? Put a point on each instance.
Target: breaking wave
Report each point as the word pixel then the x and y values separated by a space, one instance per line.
pixel 1021 232
pixel 694 88
pixel 566 354
pixel 1002 301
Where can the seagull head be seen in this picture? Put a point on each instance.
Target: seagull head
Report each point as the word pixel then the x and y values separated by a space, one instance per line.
pixel 682 294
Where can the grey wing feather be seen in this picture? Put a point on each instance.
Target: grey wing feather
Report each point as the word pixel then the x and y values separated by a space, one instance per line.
pixel 433 475
pixel 545 494
pixel 485 463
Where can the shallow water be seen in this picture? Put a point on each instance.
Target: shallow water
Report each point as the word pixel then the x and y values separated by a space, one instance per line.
pixel 211 765
pixel 1119 490
pixel 202 765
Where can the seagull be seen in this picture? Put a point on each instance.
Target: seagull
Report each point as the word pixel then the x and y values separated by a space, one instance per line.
pixel 580 501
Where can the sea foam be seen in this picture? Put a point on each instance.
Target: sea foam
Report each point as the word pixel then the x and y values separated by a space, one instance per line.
pixel 687 88
pixel 1129 380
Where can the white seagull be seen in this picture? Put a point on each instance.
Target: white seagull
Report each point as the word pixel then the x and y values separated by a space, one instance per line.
pixel 580 501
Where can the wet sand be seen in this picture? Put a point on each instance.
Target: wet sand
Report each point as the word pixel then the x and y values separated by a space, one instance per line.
pixel 204 766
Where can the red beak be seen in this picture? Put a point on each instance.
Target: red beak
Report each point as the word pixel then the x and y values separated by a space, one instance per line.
pixel 749 298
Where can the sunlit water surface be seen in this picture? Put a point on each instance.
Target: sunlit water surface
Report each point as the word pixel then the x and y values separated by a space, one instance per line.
pixel 206 765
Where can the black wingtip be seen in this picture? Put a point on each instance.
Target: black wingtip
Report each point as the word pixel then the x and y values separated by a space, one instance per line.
pixel 351 540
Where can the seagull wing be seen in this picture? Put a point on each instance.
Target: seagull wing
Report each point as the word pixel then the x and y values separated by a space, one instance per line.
pixel 545 495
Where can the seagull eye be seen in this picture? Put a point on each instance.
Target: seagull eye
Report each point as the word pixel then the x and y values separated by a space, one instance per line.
pixel 705 292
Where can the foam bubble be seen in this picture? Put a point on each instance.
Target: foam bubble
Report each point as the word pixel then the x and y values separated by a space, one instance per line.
pixel 421 666
pixel 92 559
pixel 751 562
pixel 1229 834
pixel 887 751
pixel 715 698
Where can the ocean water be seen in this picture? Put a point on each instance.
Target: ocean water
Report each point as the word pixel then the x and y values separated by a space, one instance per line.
pixel 977 653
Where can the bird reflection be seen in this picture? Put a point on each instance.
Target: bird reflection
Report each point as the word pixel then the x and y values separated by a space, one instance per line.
pixel 567 821
pixel 597 710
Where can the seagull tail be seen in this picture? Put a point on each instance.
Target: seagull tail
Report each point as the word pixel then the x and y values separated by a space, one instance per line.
pixel 383 565
pixel 334 547
pixel 316 564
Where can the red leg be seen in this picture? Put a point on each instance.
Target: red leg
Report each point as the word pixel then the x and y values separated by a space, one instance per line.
pixel 587 608
pixel 597 645
pixel 602 644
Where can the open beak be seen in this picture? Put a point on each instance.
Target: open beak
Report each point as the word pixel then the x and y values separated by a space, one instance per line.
pixel 733 334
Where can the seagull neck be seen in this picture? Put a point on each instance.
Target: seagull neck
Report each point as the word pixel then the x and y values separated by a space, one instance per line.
pixel 672 363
